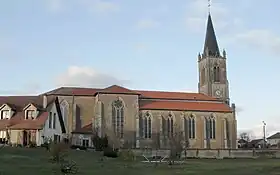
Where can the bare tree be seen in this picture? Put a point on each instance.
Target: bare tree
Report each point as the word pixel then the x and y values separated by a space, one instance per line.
pixel 176 147
pixel 245 136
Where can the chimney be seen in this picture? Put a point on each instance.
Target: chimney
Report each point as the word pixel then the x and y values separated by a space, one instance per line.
pixel 45 101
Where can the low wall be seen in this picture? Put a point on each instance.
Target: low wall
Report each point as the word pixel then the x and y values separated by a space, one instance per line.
pixel 214 153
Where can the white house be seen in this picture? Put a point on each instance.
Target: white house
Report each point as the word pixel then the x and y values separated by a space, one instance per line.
pixel 274 139
pixel 30 119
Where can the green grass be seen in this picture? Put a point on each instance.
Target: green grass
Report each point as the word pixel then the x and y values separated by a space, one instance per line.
pixel 14 161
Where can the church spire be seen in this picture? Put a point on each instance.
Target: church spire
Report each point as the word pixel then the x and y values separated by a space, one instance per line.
pixel 211 47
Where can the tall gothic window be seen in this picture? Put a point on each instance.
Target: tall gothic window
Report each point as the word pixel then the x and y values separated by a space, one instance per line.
pixel 202 76
pixel 118 117
pixel 146 126
pixel 217 74
pixel 210 127
pixel 170 123
pixel 64 111
pixel 191 127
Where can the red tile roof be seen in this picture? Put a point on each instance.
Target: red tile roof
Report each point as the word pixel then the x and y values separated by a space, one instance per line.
pixel 173 100
pixel 18 103
pixel 85 129
pixel 69 91
pixel 115 89
pixel 18 122
pixel 174 95
pixel 184 106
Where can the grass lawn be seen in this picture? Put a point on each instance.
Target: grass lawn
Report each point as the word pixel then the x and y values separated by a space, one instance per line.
pixel 14 161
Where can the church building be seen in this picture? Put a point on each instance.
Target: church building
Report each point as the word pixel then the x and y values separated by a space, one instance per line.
pixel 143 118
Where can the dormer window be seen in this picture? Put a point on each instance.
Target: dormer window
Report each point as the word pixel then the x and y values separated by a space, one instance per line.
pixel 5 114
pixel 30 114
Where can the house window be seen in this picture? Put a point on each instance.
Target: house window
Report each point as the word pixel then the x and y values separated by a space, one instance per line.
pixel 5 114
pixel 170 125
pixel 146 126
pixel 118 117
pixel 216 74
pixel 190 127
pixel 30 114
pixel 54 120
pixel 85 142
pixel 50 120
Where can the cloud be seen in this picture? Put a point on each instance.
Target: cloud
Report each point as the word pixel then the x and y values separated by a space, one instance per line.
pixel 147 24
pixel 87 77
pixel 262 39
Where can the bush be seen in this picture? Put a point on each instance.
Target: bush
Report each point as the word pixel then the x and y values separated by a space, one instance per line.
pixel 127 155
pixel 57 151
pixel 78 147
pixel 100 143
pixel 109 152
pixel 32 145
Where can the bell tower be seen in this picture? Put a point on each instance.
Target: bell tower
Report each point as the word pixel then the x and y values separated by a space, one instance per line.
pixel 212 67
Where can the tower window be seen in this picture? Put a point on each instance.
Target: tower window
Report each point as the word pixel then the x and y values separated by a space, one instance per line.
pixel 216 74
pixel 202 76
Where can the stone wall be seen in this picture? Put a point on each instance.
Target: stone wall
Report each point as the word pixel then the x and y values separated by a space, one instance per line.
pixel 214 153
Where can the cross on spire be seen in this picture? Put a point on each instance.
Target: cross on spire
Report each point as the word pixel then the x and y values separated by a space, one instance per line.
pixel 209 6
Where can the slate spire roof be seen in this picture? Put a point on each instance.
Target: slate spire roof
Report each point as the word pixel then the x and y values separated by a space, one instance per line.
pixel 211 44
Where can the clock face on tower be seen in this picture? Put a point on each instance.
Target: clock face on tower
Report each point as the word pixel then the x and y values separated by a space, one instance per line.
pixel 218 93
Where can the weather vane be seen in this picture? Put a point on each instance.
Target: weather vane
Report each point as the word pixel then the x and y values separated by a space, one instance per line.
pixel 209 6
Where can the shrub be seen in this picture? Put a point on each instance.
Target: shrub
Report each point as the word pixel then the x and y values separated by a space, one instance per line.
pixel 78 147
pixel 127 155
pixel 32 145
pixel 100 143
pixel 110 152
pixel 57 151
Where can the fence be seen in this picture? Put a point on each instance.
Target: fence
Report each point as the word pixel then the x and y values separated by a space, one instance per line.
pixel 215 153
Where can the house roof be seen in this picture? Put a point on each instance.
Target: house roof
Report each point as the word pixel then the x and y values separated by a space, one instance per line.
pixel 184 105
pixel 274 136
pixel 256 141
pixel 85 129
pixel 154 99
pixel 18 103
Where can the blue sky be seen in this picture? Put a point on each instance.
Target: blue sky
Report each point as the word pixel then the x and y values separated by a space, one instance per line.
pixel 143 45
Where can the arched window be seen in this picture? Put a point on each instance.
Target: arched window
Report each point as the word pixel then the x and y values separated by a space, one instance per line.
pixel 191 127
pixel 118 117
pixel 65 112
pixel 216 74
pixel 202 76
pixel 170 123
pixel 212 127
pixel 146 127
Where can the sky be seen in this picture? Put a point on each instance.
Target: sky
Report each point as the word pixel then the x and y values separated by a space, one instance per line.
pixel 149 45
